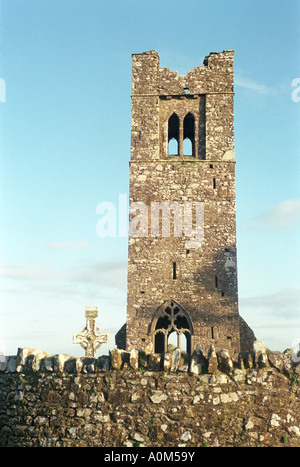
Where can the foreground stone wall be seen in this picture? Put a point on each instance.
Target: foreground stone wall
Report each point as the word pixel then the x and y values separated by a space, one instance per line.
pixel 125 400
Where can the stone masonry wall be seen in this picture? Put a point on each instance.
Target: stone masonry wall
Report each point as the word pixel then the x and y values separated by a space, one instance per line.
pixel 205 283
pixel 152 86
pixel 195 288
pixel 126 400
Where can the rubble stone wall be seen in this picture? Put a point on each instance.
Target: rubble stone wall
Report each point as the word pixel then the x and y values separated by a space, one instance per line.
pixel 133 400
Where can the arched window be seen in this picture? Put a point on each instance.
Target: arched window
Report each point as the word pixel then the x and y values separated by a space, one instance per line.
pixel 173 135
pixel 189 135
pixel 172 325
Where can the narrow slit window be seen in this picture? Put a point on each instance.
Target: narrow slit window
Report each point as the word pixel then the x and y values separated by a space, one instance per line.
pixel 174 271
pixel 212 332
pixel 189 135
pixel 173 135
pixel 216 282
pixel 214 183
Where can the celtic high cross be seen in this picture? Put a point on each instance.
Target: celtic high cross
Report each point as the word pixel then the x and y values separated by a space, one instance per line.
pixel 91 337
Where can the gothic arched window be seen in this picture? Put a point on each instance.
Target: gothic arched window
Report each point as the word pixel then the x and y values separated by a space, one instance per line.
pixel 189 135
pixel 173 135
pixel 172 325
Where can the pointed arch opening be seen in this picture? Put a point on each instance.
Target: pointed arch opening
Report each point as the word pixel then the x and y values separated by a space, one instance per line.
pixel 189 135
pixel 171 325
pixel 173 135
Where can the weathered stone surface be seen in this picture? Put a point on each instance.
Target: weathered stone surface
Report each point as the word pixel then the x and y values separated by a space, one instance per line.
pixel 154 362
pixel 35 361
pixel 225 361
pixel 134 359
pixel 241 363
pixel 248 360
pixel 59 361
pixel 259 346
pixel 158 398
pixel 260 354
pixel 103 362
pixel 282 361
pixel 8 363
pixel 167 361
pixel 212 360
pixel 126 408
pixel 198 362
pixel 116 358
pixel 176 356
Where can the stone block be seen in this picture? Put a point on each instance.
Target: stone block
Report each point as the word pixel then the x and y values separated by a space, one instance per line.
pixel 116 358
pixel 155 362
pixel 134 359
pixel 225 362
pixel 212 360
pixel 198 363
pixel 167 361
pixel 176 354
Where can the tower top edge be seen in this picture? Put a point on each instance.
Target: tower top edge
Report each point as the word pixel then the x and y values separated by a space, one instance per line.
pixel 214 59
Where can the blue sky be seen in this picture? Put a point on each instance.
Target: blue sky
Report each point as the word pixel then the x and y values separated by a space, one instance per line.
pixel 65 147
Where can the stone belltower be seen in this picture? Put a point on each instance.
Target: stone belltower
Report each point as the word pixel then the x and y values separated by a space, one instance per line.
pixel 183 290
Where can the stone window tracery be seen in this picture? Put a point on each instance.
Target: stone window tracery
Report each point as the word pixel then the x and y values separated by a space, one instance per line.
pixel 171 318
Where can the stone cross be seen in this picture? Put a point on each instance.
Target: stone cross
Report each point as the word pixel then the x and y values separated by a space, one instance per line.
pixel 91 337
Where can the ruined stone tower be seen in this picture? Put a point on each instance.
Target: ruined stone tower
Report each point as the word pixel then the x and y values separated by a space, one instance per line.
pixel 182 152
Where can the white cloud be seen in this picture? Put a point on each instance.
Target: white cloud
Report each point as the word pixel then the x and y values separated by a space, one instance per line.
pixel 25 273
pixel 37 300
pixel 82 278
pixel 110 274
pixel 253 86
pixel 274 317
pixel 284 216
pixel 283 304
